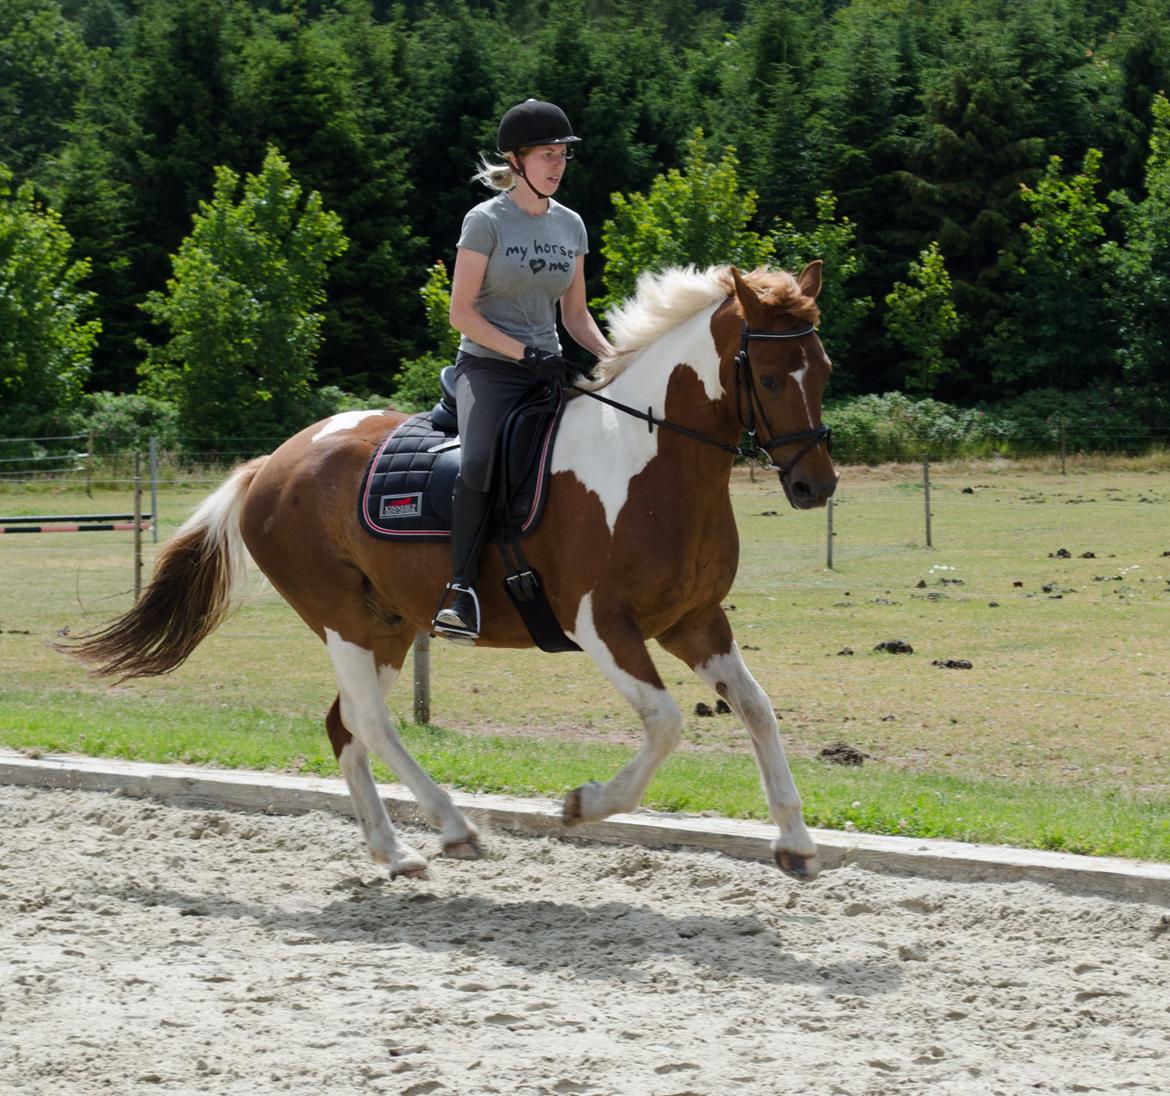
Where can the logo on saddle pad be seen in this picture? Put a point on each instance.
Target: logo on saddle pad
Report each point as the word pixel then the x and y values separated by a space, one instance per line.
pixel 400 506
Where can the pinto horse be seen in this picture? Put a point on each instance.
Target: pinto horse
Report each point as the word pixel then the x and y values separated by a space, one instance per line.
pixel 637 542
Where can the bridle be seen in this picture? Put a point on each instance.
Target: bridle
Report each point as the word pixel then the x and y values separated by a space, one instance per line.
pixel 747 403
pixel 745 408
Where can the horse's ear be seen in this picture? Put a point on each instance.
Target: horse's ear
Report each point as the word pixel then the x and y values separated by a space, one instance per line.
pixel 810 279
pixel 748 300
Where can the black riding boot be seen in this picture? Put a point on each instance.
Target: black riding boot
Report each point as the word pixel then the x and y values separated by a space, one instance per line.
pixel 460 619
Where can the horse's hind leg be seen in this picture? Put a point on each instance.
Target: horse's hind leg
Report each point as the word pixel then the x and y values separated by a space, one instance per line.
pixel 381 837
pixel 364 679
pixel 705 643
pixel 617 648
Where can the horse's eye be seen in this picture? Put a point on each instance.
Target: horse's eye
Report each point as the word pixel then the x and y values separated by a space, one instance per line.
pixel 769 382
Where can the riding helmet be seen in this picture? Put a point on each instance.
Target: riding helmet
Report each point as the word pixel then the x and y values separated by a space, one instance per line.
pixel 534 123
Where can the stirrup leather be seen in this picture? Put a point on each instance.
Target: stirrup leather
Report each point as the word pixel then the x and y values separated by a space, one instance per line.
pixel 448 622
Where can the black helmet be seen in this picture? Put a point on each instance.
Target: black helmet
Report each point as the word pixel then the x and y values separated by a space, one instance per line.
pixel 534 123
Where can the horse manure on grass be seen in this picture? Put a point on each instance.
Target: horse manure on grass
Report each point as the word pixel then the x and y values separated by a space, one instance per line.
pixel 841 753
pixel 895 647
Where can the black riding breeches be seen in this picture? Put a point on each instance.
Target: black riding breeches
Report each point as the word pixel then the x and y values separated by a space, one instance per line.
pixel 486 389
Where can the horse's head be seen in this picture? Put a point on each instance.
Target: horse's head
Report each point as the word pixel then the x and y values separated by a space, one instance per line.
pixel 775 368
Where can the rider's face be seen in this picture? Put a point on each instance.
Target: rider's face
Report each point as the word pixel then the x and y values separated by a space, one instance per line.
pixel 544 166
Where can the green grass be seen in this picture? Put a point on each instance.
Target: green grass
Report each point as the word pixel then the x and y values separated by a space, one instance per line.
pixel 1055 739
pixel 874 800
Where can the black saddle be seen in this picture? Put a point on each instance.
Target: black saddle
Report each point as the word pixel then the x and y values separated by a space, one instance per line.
pixel 406 490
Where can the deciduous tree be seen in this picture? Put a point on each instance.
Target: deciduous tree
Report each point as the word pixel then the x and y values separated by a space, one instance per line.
pixel 45 337
pixel 243 309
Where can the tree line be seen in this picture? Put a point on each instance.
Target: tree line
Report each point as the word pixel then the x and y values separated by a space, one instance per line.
pixel 986 180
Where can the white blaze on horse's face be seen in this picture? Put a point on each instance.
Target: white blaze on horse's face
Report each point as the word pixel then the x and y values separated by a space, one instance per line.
pixel 800 379
pixel 603 447
pixel 343 420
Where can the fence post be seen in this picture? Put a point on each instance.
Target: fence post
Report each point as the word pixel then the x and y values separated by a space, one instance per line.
pixel 1063 448
pixel 926 497
pixel 422 677
pixel 154 489
pixel 137 525
pixel 89 465
pixel 829 536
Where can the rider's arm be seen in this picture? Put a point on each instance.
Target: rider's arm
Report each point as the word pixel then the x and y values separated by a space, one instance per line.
pixel 466 282
pixel 577 318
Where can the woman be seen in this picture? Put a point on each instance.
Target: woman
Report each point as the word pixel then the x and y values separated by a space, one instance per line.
pixel 519 255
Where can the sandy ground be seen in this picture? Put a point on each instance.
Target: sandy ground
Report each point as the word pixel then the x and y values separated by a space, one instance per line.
pixel 148 949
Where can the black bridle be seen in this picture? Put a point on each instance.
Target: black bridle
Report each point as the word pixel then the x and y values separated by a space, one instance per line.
pixel 745 386
pixel 747 403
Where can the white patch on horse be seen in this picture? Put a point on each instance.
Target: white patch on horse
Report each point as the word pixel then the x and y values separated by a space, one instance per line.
pixel 342 421
pixel 661 721
pixel 728 675
pixel 800 376
pixel 362 686
pixel 605 448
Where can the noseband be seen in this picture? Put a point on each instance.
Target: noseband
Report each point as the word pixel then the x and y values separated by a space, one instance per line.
pixel 747 402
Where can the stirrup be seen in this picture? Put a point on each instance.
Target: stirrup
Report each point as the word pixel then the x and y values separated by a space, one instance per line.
pixel 448 623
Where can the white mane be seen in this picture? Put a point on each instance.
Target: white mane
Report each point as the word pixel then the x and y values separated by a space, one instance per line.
pixel 660 303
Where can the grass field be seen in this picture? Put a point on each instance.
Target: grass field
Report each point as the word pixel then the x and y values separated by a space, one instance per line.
pixel 1055 737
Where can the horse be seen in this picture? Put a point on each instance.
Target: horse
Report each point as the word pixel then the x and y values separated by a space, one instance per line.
pixel 637 542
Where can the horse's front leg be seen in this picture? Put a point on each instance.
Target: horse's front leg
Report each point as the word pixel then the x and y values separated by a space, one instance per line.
pixel 705 643
pixel 615 645
pixel 364 679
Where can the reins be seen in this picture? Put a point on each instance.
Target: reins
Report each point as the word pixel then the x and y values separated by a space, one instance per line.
pixel 745 409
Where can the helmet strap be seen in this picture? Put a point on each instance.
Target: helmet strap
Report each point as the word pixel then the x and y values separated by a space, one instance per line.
pixel 519 170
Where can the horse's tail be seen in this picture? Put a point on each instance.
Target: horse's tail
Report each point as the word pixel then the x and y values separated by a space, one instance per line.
pixel 197 576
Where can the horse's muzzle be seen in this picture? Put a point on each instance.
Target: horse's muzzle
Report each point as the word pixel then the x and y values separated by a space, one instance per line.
pixel 808 492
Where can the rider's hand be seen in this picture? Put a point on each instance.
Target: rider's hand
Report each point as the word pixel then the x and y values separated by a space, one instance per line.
pixel 550 368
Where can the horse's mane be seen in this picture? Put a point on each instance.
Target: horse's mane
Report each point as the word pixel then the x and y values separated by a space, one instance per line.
pixel 663 300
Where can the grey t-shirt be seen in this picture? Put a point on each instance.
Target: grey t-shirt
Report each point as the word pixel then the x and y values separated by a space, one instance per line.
pixel 531 262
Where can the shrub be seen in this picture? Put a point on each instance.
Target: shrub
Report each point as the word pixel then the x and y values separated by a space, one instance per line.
pixel 127 422
pixel 895 427
pixel 1105 419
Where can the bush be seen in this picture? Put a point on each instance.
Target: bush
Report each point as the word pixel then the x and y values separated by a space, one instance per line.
pixel 127 422
pixel 417 387
pixel 1107 419
pixel 895 427
pixel 331 400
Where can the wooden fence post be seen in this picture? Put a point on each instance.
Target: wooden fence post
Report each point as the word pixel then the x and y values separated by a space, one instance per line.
pixel 829 537
pixel 154 489
pixel 926 496
pixel 137 525
pixel 422 677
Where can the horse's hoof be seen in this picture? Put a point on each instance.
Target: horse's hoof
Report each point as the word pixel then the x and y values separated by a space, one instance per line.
pixel 571 811
pixel 803 868
pixel 464 850
pixel 410 873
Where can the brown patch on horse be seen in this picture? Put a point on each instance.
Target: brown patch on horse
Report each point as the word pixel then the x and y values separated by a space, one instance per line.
pixel 339 737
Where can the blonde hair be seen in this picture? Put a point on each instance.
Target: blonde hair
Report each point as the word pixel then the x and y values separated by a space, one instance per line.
pixel 495 176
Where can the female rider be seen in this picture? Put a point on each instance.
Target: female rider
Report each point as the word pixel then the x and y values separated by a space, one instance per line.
pixel 519 254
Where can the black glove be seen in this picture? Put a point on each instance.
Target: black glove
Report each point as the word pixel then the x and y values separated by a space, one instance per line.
pixel 550 368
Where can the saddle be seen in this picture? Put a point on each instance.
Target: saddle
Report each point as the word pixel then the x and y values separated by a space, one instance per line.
pixel 406 491
pixel 407 486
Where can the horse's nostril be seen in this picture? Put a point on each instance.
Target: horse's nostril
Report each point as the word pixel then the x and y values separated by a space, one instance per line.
pixel 802 490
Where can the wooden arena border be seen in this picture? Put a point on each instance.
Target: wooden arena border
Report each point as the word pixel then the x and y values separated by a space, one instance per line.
pixel 280 793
